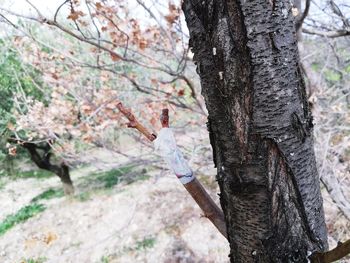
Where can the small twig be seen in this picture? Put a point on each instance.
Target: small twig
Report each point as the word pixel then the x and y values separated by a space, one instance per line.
pixel 304 15
pixel 35 8
pixel 330 34
pixel 58 10
pixel 133 123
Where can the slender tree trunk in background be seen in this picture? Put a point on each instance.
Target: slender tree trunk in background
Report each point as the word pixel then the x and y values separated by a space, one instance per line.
pixel 63 174
pixel 260 127
pixel 8 165
pixel 41 156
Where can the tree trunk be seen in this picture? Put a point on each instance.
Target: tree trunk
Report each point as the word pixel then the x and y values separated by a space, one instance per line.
pixel 41 156
pixel 67 183
pixel 260 127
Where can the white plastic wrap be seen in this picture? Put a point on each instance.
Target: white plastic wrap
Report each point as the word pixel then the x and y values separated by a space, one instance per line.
pixel 165 145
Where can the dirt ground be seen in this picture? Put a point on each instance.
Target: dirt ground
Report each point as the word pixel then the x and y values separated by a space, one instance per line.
pixel 148 220
pixel 152 220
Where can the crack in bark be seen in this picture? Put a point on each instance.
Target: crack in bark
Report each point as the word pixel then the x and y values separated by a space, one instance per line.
pixel 249 68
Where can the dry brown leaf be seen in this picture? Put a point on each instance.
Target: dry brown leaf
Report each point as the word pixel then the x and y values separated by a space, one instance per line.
pixel 143 44
pixel 115 56
pixel 98 5
pixel 181 92
pixel 171 18
pixel 74 15
pixel 49 237
pixel 13 151
pixel 11 126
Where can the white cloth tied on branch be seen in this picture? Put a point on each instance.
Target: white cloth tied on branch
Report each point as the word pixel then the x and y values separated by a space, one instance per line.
pixel 165 145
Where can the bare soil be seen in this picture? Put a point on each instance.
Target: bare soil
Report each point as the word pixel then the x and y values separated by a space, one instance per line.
pixel 153 220
pixel 149 220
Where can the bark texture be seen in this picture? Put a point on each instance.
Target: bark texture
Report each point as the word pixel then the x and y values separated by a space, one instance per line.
pixel 260 127
pixel 40 154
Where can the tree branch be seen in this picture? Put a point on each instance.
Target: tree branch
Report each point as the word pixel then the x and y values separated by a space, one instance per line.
pixel 194 187
pixel 341 251
pixel 330 34
pixel 304 15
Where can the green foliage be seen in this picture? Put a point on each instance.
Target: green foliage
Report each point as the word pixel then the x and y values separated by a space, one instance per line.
pixel 140 246
pixel 347 69
pixel 104 259
pixel 33 260
pixel 39 174
pixel 115 176
pixel 316 66
pixel 49 194
pixel 6 164
pixel 332 76
pixel 8 168
pixel 20 216
pixel 2 183
pixel 145 243
pixel 105 181
pixel 84 196
pixel 15 79
pixel 110 178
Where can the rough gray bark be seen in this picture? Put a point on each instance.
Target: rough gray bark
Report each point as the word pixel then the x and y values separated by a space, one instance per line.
pixel 260 127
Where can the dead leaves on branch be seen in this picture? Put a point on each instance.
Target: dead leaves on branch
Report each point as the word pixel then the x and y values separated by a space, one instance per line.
pixel 118 29
pixel 75 15
pixel 123 26
pixel 98 6
pixel 68 120
pixel 81 104
pixel 173 15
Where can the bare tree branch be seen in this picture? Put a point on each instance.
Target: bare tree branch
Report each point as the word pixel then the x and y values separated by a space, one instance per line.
pixel 330 34
pixel 303 16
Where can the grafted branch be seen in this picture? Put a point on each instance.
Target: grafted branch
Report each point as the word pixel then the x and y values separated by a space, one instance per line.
pixel 194 187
